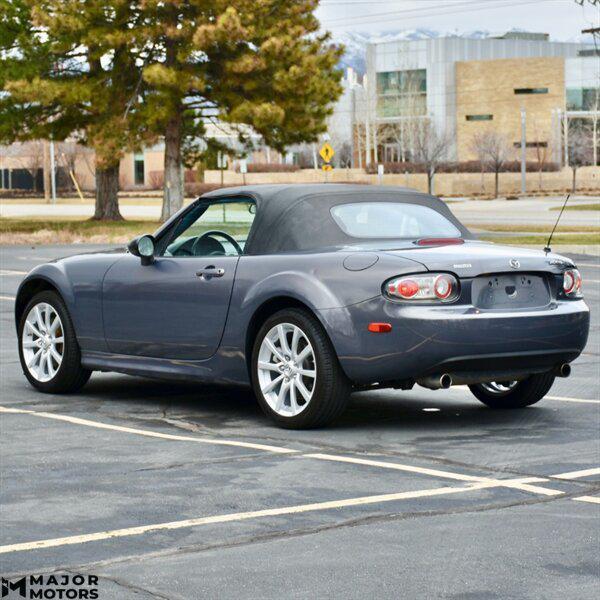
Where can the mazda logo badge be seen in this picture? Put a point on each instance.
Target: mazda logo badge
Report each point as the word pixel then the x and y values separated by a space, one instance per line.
pixel 514 263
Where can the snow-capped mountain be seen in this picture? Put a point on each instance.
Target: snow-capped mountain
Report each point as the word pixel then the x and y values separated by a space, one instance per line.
pixel 355 42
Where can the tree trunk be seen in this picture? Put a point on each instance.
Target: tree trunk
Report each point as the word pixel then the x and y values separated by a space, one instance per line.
pixel 574 186
pixel 430 175
pixel 173 187
pixel 46 170
pixel 496 184
pixel 107 194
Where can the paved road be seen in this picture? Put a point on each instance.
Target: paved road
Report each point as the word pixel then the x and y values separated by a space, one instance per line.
pixel 180 491
pixel 526 211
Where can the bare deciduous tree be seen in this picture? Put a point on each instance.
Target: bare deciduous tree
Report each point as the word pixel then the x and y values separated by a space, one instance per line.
pixel 430 147
pixel 493 150
pixel 580 148
pixel 32 159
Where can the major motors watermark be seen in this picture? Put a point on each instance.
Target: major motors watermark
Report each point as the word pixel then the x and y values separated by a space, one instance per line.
pixel 52 587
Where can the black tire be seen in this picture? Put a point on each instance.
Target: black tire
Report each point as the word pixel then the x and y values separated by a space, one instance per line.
pixel 70 376
pixel 331 389
pixel 525 393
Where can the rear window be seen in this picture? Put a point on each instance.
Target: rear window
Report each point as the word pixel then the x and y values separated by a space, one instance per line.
pixel 392 220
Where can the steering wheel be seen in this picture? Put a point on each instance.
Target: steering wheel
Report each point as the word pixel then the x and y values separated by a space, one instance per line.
pixel 222 234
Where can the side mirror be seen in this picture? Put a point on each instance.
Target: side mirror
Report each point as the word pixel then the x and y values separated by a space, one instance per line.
pixel 143 246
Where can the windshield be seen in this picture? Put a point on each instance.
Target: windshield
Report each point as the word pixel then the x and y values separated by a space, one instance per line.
pixel 392 220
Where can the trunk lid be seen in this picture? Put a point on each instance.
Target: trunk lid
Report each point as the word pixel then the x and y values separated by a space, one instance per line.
pixel 474 258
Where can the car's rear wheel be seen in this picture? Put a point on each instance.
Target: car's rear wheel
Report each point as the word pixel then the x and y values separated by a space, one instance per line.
pixel 295 372
pixel 48 349
pixel 513 394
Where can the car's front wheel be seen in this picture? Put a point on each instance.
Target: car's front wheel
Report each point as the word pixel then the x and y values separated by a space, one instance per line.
pixel 513 394
pixel 295 372
pixel 48 349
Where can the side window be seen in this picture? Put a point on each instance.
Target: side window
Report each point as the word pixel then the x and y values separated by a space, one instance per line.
pixel 213 229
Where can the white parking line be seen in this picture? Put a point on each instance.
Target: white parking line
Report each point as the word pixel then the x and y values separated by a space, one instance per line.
pixel 11 272
pixel 557 398
pixel 565 399
pixel 242 516
pixel 577 474
pixel 8 298
pixel 519 484
pixel 146 432
pixel 592 499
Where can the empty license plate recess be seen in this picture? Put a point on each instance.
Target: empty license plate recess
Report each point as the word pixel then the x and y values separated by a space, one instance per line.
pixel 509 291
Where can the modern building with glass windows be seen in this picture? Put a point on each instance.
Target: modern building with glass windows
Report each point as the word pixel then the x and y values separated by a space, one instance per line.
pixel 464 86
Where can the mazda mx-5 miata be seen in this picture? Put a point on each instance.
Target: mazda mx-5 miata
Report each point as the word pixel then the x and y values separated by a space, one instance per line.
pixel 307 292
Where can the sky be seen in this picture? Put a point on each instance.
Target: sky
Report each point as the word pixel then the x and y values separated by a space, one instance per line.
pixel 562 19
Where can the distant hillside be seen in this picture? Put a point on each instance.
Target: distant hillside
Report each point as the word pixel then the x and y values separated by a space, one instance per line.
pixel 356 42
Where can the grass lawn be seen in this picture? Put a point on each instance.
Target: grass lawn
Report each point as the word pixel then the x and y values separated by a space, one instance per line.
pixel 540 240
pixel 73 231
pixel 533 228
pixel 591 206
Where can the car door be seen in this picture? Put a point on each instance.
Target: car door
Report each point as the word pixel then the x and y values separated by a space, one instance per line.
pixel 176 307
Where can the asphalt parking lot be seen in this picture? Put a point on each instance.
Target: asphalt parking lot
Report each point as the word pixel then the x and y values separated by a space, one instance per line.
pixel 180 491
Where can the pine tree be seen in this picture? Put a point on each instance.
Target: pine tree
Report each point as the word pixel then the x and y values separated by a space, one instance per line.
pixel 119 74
pixel 259 63
pixel 72 68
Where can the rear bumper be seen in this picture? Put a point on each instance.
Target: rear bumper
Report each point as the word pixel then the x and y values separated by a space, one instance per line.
pixel 428 340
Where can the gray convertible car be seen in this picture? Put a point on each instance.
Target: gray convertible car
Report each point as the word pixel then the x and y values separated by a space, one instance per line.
pixel 307 292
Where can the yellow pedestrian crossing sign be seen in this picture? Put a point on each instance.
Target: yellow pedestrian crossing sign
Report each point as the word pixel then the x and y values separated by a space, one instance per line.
pixel 327 167
pixel 326 152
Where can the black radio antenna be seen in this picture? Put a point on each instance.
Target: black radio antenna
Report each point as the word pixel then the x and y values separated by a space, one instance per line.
pixel 547 248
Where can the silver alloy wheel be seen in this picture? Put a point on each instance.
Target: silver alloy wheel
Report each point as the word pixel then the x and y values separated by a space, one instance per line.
pixel 287 370
pixel 43 342
pixel 499 388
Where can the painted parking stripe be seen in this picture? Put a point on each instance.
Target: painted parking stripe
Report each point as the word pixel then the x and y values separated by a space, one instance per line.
pixel 241 516
pixel 147 432
pixel 578 474
pixel 11 272
pixel 557 398
pixel 8 298
pixel 565 399
pixel 522 484
pixel 592 499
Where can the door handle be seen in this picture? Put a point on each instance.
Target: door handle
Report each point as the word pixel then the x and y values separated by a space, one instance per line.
pixel 209 272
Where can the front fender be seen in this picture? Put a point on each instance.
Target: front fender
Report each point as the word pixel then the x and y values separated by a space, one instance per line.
pixel 48 275
pixel 78 279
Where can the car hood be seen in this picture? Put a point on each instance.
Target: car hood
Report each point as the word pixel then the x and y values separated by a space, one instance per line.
pixel 475 258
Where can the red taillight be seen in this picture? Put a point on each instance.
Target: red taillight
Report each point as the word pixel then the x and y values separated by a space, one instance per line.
pixel 433 286
pixel 407 288
pixel 380 327
pixel 572 283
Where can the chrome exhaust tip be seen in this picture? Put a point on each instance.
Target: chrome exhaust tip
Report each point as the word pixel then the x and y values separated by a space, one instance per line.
pixel 446 381
pixel 563 370
pixel 443 382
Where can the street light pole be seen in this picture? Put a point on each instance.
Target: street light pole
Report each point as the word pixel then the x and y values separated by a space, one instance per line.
pixel 523 152
pixel 52 172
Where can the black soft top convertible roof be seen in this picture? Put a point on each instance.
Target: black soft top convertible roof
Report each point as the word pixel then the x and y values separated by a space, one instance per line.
pixel 297 217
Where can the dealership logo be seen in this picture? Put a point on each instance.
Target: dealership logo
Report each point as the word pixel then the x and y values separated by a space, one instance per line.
pixel 52 587
pixel 514 263
pixel 19 586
